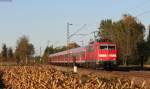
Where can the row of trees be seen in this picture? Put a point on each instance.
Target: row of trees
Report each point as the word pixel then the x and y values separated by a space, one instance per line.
pixel 21 54
pixel 6 53
pixel 24 52
pixel 128 34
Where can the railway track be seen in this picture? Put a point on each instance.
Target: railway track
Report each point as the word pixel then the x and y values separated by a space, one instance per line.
pixel 119 71
pixel 136 76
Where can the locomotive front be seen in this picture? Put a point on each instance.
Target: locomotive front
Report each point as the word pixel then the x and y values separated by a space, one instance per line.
pixel 107 54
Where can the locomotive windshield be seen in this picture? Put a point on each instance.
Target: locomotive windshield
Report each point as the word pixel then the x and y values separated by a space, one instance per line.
pixel 107 47
pixel 111 47
pixel 103 47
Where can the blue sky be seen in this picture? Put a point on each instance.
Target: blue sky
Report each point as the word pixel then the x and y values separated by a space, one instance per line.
pixel 46 20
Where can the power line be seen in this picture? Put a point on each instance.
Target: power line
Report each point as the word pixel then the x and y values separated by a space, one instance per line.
pixel 146 12
pixel 77 31
pixel 86 34
pixel 139 6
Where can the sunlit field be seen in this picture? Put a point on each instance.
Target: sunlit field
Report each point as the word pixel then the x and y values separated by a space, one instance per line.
pixel 46 77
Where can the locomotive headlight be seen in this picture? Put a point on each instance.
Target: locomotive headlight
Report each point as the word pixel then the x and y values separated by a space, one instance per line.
pixel 102 55
pixel 112 55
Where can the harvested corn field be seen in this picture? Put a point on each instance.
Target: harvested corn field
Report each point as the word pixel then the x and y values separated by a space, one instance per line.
pixel 46 77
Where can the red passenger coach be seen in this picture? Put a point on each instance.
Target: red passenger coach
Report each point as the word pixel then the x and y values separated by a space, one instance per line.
pixel 94 55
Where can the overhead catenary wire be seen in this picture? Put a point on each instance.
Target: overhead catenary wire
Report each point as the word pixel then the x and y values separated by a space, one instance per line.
pixel 143 13
pixel 136 7
pixel 77 31
pixel 81 34
pixel 139 5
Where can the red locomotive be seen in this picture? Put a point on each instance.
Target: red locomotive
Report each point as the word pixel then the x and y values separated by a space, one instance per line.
pixel 94 55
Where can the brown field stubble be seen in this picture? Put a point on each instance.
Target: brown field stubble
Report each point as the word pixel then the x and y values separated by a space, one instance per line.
pixel 46 77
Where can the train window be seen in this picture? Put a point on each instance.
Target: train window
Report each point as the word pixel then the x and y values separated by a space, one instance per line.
pixel 103 47
pixel 111 47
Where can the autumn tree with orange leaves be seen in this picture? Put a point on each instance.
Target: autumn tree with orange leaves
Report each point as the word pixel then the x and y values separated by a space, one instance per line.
pixel 24 50
pixel 126 33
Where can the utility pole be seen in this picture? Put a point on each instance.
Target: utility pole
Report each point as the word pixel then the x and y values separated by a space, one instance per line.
pixel 127 52
pixel 40 55
pixel 68 39
pixel 68 34
pixel 82 42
